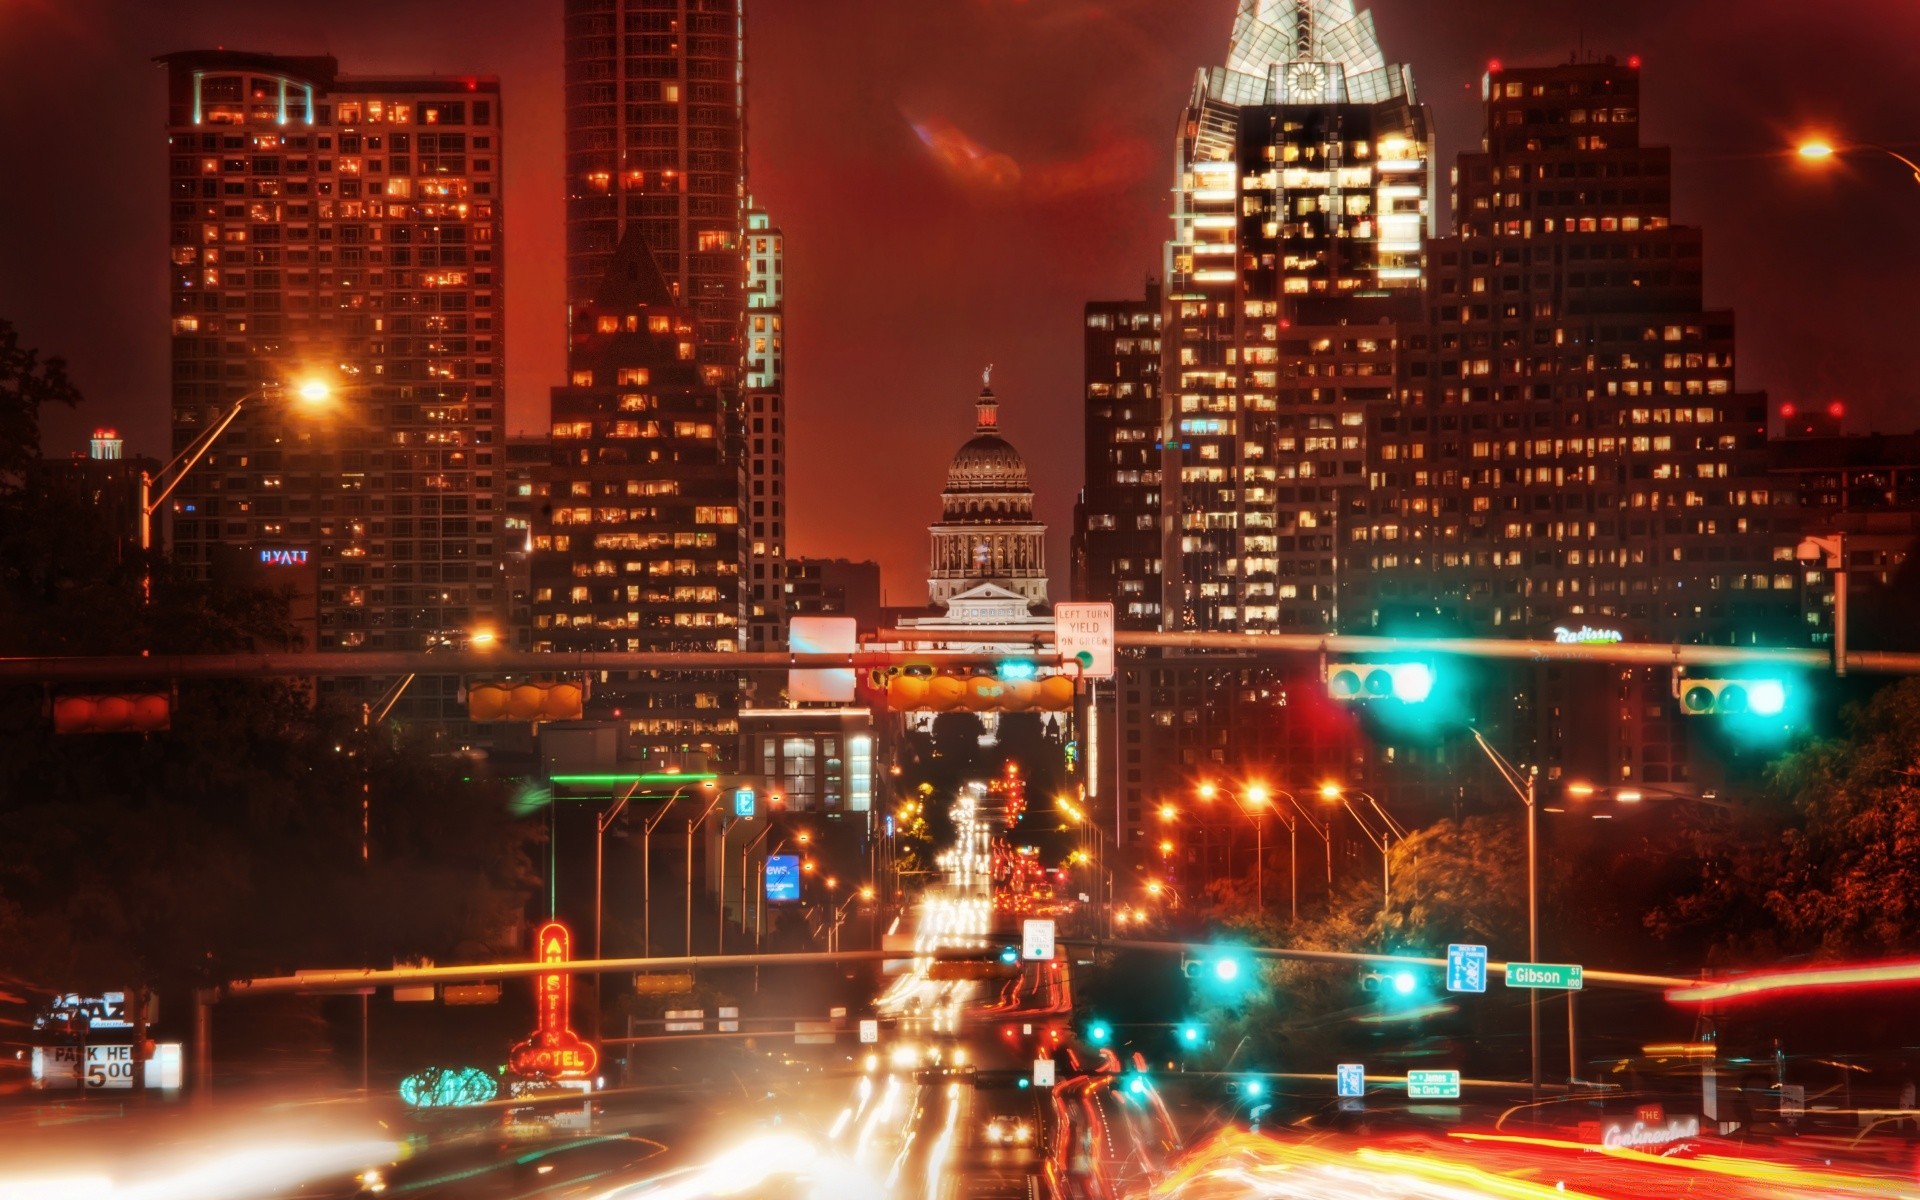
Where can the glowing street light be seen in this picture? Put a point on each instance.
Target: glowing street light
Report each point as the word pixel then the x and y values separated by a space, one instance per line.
pixel 1820 150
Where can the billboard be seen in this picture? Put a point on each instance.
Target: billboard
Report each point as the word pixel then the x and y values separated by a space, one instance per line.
pixel 783 878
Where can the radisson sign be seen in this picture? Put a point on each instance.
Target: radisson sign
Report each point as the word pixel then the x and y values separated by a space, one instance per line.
pixel 1587 635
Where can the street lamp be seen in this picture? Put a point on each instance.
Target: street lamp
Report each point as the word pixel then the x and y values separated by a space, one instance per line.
pixel 1582 790
pixel 721 887
pixel 168 477
pixel 1249 801
pixel 601 824
pixel 1156 888
pixel 1523 787
pixel 1333 793
pixel 1819 150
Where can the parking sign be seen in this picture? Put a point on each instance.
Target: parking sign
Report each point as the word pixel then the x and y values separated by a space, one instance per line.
pixel 1351 1079
pixel 1466 968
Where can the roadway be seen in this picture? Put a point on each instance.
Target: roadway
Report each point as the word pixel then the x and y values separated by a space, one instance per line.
pixel 934 1110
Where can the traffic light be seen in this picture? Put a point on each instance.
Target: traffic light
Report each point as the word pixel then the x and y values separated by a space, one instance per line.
pixel 1390 983
pixel 1410 683
pixel 552 700
pixel 1222 970
pixel 1733 697
pixel 123 712
pixel 1099 1033
pixel 1192 1035
pixel 1009 954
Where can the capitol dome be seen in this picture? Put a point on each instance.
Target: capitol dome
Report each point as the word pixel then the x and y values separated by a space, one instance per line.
pixel 987 534
pixel 987 463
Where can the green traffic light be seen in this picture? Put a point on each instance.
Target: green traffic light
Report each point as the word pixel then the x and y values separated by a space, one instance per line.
pixel 1099 1032
pixel 1190 1034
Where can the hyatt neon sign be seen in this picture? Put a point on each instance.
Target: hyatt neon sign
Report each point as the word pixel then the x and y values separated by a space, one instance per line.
pixel 284 558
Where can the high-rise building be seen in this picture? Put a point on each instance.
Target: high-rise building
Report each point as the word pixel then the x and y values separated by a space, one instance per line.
pixel 1116 523
pixel 656 141
pixel 1570 447
pixel 1305 168
pixel 823 587
pixel 765 416
pixel 639 546
pixel 348 225
pixel 529 462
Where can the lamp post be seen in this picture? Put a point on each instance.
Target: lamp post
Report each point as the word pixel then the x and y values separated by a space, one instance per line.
pixel 1333 793
pixel 840 915
pixel 1156 889
pixel 1253 799
pixel 691 825
pixel 1169 813
pixel 1523 787
pixel 1833 550
pixel 1819 150
pixel 168 477
pixel 601 824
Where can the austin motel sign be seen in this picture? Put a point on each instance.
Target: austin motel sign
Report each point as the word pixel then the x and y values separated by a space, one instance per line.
pixel 554 1051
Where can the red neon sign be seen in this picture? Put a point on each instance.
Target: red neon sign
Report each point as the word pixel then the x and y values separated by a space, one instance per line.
pixel 555 1050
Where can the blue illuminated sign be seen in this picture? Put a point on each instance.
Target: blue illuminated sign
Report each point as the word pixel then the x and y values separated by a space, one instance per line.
pixel 783 878
pixel 743 802
pixel 1351 1079
pixel 1466 968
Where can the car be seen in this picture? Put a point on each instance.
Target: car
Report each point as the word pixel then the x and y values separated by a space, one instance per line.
pixel 1005 1130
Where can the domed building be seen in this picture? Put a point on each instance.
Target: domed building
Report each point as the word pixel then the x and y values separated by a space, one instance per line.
pixel 989 553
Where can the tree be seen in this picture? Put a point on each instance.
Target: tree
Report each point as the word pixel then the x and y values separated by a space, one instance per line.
pixel 28 383
pixel 1850 882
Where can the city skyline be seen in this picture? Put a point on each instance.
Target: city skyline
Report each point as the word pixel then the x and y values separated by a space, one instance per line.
pixel 922 140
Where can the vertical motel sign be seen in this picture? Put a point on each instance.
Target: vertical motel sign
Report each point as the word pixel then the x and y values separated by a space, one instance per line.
pixel 554 1051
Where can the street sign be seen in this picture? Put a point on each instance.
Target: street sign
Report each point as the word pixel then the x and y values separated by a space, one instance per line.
pixel 1043 1072
pixel 1084 633
pixel 743 802
pixel 685 1020
pixel 1433 1085
pixel 1566 976
pixel 729 1021
pixel 1466 968
pixel 869 1032
pixel 783 878
pixel 108 1010
pixel 1793 1101
pixel 1350 1079
pixel 415 993
pixel 813 1033
pixel 662 983
pixel 1036 940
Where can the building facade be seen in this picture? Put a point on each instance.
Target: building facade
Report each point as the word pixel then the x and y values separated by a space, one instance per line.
pixel 1116 523
pixel 987 533
pixel 1304 181
pixel 656 141
pixel 347 227
pixel 640 545
pixel 766 409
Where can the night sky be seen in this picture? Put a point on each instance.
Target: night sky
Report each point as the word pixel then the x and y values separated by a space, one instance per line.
pixel 956 178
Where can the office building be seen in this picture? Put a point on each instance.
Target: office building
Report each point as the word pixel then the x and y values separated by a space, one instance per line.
pixel 639 546
pixel 765 417
pixel 656 141
pixel 1303 196
pixel 350 227
pixel 1116 522
pixel 834 587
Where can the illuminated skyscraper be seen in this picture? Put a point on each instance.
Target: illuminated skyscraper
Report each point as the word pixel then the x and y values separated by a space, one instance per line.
pixel 766 434
pixel 656 141
pixel 346 226
pixel 1116 523
pixel 1303 200
pixel 639 546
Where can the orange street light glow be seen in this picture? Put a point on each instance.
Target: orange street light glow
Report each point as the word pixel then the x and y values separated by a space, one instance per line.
pixel 1809 979
pixel 313 391
pixel 1329 791
pixel 1208 791
pixel 1815 149
pixel 1257 794
pixel 1168 812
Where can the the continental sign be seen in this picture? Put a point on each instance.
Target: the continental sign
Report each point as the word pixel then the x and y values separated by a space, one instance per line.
pixel 978 693
pixel 554 1051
